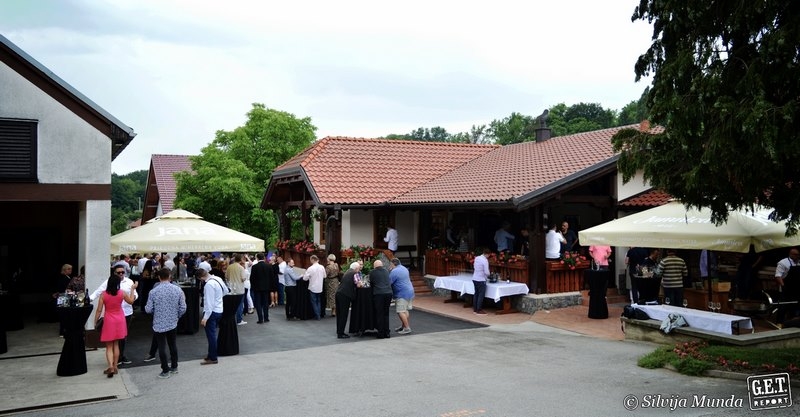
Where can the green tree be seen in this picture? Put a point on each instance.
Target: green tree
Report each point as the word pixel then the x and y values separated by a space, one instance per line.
pixel 127 192
pixel 635 111
pixel 478 134
pixel 516 128
pixel 725 88
pixel 593 114
pixel 232 172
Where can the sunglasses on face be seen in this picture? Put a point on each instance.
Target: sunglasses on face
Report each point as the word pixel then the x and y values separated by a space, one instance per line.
pixel 119 272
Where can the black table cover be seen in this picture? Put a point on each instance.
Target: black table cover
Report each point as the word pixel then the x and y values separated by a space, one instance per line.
pixel 228 336
pixel 10 312
pixel 189 323
pixel 73 354
pixel 362 315
pixel 598 283
pixel 304 311
pixel 648 289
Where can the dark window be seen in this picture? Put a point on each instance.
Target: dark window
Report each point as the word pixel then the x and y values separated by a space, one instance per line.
pixel 17 151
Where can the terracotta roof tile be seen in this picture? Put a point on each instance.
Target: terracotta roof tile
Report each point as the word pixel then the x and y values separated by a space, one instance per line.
pixel 345 170
pixel 516 170
pixel 164 167
pixel 649 198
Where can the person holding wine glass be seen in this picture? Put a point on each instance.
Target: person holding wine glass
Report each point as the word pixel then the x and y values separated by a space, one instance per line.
pixel 673 271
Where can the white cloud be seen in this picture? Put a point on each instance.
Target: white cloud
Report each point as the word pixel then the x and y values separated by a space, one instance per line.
pixel 179 70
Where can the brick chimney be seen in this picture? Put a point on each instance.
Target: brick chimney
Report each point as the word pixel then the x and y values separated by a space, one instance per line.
pixel 644 125
pixel 542 132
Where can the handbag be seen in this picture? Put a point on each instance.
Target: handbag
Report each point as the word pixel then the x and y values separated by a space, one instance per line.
pixel 99 325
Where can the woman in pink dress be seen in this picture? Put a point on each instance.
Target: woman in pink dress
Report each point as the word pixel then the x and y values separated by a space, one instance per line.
pixel 114 325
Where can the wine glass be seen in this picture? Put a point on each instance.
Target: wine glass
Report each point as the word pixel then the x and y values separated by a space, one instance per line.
pixel 666 300
pixel 711 305
pixel 718 307
pixel 685 303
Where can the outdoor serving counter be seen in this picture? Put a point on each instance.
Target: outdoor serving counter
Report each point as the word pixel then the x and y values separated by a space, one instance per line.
pixel 73 354
pixel 462 284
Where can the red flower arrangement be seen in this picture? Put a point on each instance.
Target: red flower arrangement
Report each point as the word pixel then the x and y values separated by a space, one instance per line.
pixel 571 259
pixel 305 246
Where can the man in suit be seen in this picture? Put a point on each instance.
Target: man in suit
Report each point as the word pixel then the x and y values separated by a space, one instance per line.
pixel 261 274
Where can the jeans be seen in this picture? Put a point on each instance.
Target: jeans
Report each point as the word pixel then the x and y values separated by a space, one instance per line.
pixel 168 339
pixel 211 334
pixel 480 292
pixel 261 302
pixel 239 311
pixel 315 303
pixel 281 299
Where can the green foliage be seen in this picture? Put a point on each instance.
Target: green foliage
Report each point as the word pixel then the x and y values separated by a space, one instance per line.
pixel 516 128
pixel 695 358
pixel 127 193
pixel 635 111
pixel 232 172
pixel 725 89
pixel 692 366
pixel 656 359
pixel 591 114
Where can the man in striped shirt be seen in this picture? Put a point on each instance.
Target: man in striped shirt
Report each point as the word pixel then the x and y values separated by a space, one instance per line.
pixel 673 271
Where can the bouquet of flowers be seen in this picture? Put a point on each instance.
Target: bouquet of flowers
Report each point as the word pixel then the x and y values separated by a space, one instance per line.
pixel 571 259
pixel 284 244
pixel 305 246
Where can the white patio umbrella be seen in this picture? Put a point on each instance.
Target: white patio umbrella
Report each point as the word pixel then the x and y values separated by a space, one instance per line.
pixel 183 231
pixel 673 226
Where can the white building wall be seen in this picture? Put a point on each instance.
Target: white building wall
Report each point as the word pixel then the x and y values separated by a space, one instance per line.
pixel 70 151
pixel 636 185
pixel 94 251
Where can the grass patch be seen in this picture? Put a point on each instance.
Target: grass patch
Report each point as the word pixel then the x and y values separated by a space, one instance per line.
pixel 694 358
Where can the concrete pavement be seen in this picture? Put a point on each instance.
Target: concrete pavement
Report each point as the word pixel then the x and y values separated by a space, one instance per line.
pixel 517 368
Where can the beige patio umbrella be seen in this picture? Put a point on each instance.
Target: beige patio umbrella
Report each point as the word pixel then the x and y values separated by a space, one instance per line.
pixel 673 226
pixel 183 231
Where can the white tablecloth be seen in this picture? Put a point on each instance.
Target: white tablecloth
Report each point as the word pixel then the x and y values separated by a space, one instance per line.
pixel 495 291
pixel 700 319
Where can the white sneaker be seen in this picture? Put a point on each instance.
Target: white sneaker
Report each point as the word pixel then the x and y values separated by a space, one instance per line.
pixel 241 323
pixel 405 331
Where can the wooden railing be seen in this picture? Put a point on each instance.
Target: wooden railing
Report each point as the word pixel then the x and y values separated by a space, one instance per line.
pixel 448 264
pixel 303 259
pixel 560 278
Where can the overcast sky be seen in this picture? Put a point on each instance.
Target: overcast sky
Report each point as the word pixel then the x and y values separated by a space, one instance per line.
pixel 176 71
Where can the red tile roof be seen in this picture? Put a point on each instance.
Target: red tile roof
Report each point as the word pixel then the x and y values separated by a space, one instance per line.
pixel 649 198
pixel 164 167
pixel 514 171
pixel 345 170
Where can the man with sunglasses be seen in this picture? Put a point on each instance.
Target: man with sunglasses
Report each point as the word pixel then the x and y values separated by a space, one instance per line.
pixel 125 285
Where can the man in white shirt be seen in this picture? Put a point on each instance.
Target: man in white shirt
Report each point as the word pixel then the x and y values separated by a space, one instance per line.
pixel 125 285
pixel 169 263
pixel 315 274
pixel 123 262
pixel 213 292
pixel 391 238
pixel 553 241
pixel 481 266
pixel 787 275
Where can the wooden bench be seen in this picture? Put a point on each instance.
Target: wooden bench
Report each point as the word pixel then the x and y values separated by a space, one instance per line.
pixel 410 260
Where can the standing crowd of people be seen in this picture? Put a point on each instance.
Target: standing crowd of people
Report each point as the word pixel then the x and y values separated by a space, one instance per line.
pixel 150 282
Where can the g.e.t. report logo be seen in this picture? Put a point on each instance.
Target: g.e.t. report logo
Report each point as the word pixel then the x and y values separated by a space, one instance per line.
pixel 769 391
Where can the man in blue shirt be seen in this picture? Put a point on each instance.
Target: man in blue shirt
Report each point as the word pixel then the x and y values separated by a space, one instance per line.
pixel 167 304
pixel 403 292
pixel 503 239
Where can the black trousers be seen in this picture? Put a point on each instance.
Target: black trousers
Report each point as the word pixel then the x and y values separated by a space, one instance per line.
pixel 343 304
pixel 122 341
pixel 261 303
pixel 290 301
pixel 165 339
pixel 380 304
